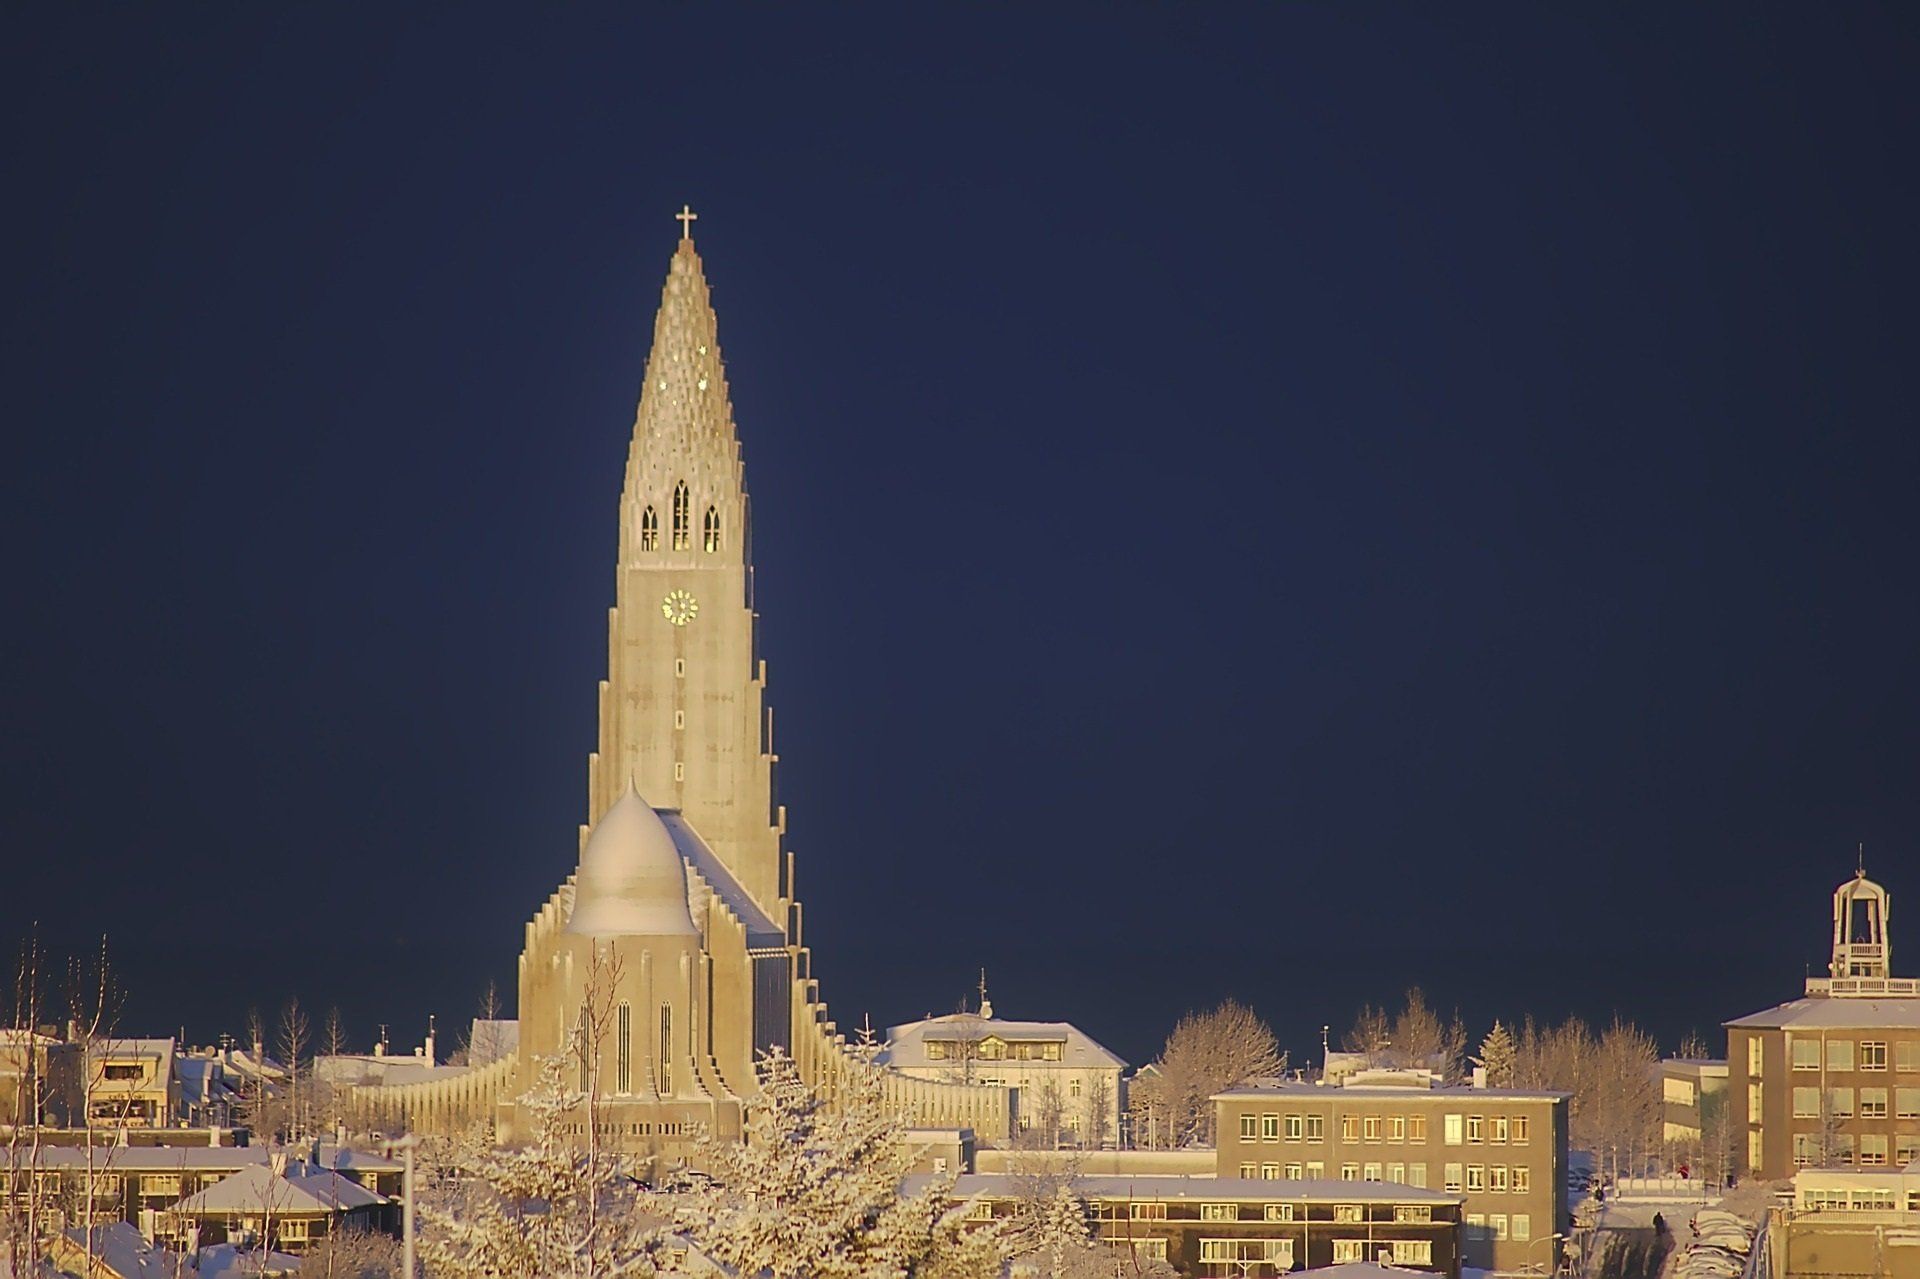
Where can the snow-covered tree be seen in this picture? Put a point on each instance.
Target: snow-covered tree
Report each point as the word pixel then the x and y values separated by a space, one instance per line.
pixel 1498 1053
pixel 814 1192
pixel 547 1208
pixel 1206 1053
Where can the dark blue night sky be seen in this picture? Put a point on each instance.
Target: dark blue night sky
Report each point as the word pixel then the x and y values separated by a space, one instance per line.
pixel 1286 502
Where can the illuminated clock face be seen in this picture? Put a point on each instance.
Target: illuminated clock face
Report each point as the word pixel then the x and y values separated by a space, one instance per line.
pixel 679 607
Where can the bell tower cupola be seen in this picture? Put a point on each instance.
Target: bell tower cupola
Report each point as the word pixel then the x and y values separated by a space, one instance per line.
pixel 1860 945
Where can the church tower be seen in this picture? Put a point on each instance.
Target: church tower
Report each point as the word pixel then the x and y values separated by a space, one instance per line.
pixel 682 710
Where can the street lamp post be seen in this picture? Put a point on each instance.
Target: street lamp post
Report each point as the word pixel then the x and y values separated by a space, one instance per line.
pixel 405 1145
pixel 1543 1239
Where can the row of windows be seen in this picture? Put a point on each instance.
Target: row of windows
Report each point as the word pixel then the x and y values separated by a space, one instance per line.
pixel 1471 1130
pixel 1404 1214
pixel 1857 1200
pixel 1869 1150
pixel 682 524
pixel 1495 1225
pixel 1402 1252
pixel 1839 1054
pixel 1490 1179
pixel 1840 1103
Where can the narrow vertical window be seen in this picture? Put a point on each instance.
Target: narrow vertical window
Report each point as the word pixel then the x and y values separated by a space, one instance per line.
pixel 666 1050
pixel 710 530
pixel 623 1060
pixel 649 529
pixel 682 517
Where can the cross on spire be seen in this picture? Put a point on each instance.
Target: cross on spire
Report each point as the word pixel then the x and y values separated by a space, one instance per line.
pixel 686 218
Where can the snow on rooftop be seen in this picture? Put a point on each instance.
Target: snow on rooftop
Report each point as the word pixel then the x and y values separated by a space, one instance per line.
pixel 1176 1188
pixel 906 1044
pixel 1837 1014
pixel 299 1188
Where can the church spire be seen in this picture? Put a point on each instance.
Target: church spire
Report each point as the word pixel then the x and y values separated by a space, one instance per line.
pixel 684 489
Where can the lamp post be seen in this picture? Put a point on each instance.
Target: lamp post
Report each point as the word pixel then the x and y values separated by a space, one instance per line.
pixel 405 1145
pixel 1543 1239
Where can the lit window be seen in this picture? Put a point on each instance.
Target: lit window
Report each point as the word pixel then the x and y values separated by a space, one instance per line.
pixel 1906 1102
pixel 1455 1175
pixel 1456 1127
pixel 1416 1213
pixel 1839 1054
pixel 1417 1175
pixel 1348 1213
pixel 1413 1252
pixel 1906 1055
pixel 1219 1212
pixel 1806 1053
pixel 1147 1212
pixel 1522 1226
pixel 1806 1103
pixel 1345 1250
pixel 1756 1056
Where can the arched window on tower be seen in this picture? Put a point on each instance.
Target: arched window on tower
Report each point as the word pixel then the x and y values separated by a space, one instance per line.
pixel 666 1050
pixel 710 530
pixel 682 517
pixel 649 529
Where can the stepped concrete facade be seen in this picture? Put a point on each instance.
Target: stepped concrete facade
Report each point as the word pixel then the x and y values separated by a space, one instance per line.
pixel 672 959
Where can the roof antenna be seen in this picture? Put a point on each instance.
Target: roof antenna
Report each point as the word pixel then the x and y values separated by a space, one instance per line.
pixel 986 1005
pixel 1860 863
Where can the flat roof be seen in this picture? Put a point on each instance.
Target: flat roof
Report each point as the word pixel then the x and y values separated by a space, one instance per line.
pixel 1837 1014
pixel 1173 1187
pixel 112 1159
pixel 1330 1092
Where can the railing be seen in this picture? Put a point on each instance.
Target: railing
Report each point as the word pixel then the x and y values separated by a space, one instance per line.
pixel 1863 987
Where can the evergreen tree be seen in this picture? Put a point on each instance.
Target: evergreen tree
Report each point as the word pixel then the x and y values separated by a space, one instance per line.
pixel 1498 1056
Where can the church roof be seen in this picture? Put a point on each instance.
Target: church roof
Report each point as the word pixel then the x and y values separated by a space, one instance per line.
pixel 762 931
pixel 632 882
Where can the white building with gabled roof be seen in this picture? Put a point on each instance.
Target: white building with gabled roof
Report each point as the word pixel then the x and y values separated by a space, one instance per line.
pixel 1067 1085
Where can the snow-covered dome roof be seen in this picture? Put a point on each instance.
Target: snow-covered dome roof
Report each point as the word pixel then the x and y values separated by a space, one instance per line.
pixel 632 882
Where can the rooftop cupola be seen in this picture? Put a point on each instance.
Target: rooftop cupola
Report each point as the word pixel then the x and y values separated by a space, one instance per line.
pixel 632 882
pixel 1860 945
